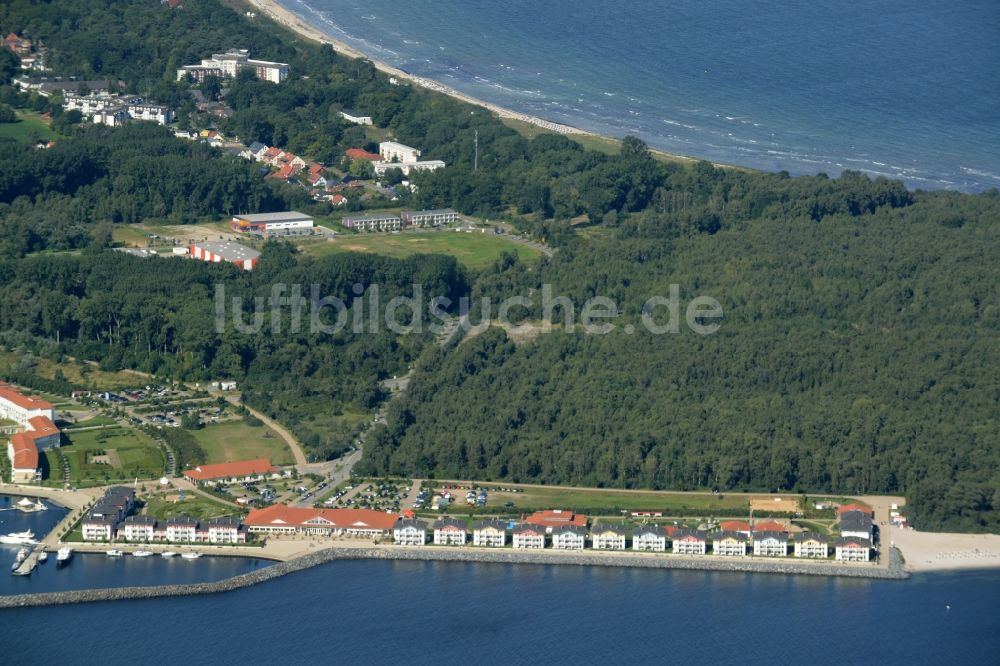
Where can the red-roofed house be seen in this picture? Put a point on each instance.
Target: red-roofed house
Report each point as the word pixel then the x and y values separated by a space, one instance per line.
pixel 856 507
pixel 23 456
pixel 317 169
pixel 284 173
pixel 18 45
pixel 338 200
pixel 556 517
pixel 735 526
pixel 359 154
pixel 271 156
pixel 282 519
pixel 317 180
pixel 242 471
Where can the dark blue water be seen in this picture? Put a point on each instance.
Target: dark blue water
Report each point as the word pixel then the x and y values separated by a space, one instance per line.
pixel 423 612
pixel 910 89
pixel 86 571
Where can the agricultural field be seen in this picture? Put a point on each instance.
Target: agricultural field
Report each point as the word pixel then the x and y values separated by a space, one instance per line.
pixel 474 250
pixel 227 442
pixel 110 455
pixel 29 127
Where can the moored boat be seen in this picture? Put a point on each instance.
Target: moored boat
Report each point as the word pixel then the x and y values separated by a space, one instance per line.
pixel 114 552
pixel 43 556
pixel 142 553
pixel 63 555
pixel 168 553
pixel 191 556
pixel 19 538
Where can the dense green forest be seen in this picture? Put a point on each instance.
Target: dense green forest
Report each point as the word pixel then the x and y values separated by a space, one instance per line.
pixel 858 350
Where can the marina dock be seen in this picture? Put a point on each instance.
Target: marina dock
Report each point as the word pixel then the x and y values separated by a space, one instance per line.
pixel 30 562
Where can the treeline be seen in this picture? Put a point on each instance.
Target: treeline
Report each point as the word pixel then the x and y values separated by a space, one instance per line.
pixel 160 316
pixel 857 354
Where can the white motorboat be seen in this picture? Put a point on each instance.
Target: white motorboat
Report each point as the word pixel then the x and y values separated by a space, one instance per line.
pixel 191 556
pixel 43 557
pixel 22 555
pixel 114 552
pixel 63 555
pixel 142 553
pixel 19 538
pixel 168 553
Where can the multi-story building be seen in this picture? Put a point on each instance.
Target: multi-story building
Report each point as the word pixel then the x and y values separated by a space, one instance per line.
pixel 222 530
pixel 730 543
pixel 770 543
pixel 138 528
pixel 226 65
pixel 279 519
pixel 19 408
pixel 102 520
pixel 407 167
pixel 856 523
pixel 489 533
pixel 449 532
pixel 569 537
pixel 409 532
pixel 181 529
pixel 429 218
pixel 390 151
pixel 355 117
pixel 811 545
pixel 690 542
pixel 853 549
pixel 527 535
pixel 649 538
pixel 608 537
pixel 373 222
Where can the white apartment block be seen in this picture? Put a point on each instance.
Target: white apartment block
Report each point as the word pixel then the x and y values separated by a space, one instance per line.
pixel 650 540
pixel 608 539
pixel 409 533
pixel 770 544
pixel 373 222
pixel 688 542
pixel 810 545
pixel 531 537
pixel 407 167
pixel 853 549
pixel 429 218
pixel 569 537
pixel 21 408
pixel 449 533
pixel 729 545
pixel 491 534
pixel 226 65
pixel 397 152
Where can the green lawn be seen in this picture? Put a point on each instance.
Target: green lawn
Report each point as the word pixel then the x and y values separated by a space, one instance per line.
pixel 169 505
pixel 94 421
pixel 475 250
pixel 132 454
pixel 28 128
pixel 227 442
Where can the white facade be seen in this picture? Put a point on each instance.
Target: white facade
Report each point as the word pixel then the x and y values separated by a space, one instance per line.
pixel 649 541
pixel 19 408
pixel 770 546
pixel 729 547
pixel 409 535
pixel 608 540
pixel 429 218
pixel 356 118
pixel 811 548
pixel 852 552
pixel 689 546
pixel 397 152
pixel 407 167
pixel 489 536
pixel 182 532
pixel 449 536
pixel 97 531
pixel 229 63
pixel 373 223
pixel 568 540
pixel 136 532
pixel 529 539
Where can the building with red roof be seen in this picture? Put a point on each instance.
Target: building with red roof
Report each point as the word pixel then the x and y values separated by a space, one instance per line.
pixel 735 526
pixel 19 408
pixel 769 526
pixel 856 507
pixel 23 456
pixel 36 416
pixel 242 471
pixel 283 519
pixel 360 154
pixel 556 517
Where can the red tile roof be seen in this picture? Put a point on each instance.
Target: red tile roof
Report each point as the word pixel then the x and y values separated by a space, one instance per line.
pixel 734 526
pixel 359 154
pixel 855 507
pixel 282 515
pixel 233 469
pixel 338 199
pixel 556 517
pixel 317 169
pixel 25 451
pixel 10 394
pixel 769 526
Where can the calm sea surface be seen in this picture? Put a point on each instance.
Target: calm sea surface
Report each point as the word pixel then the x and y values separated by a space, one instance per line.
pixel 376 612
pixel 907 89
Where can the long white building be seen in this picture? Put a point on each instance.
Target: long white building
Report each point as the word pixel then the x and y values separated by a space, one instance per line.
pixel 226 65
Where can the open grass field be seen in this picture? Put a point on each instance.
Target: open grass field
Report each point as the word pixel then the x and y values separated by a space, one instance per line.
pixel 29 127
pixel 474 250
pixel 169 505
pixel 127 454
pixel 228 442
pixel 77 373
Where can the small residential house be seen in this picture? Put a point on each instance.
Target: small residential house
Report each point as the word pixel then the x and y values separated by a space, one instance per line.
pixel 569 537
pixel 690 542
pixel 811 545
pixel 649 538
pixel 769 543
pixel 527 535
pixel 490 533
pixel 608 537
pixel 449 532
pixel 853 549
pixel 730 543
pixel 409 532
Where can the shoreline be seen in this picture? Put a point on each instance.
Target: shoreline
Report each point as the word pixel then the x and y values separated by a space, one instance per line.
pixel 294 22
pixel 485 555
